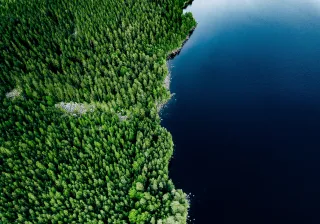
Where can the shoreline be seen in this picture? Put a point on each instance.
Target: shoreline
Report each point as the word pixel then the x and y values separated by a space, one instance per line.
pixel 171 56
pixel 187 3
pixel 177 51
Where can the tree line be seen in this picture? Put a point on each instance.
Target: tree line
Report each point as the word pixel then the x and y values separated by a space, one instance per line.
pixel 59 167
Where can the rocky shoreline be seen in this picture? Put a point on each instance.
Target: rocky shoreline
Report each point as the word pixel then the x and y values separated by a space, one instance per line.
pixel 178 50
pixel 187 3
pixel 167 80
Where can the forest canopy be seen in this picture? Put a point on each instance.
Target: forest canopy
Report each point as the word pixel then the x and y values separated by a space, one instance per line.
pixel 80 134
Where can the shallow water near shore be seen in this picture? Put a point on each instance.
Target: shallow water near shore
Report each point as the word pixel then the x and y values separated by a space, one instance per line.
pixel 245 118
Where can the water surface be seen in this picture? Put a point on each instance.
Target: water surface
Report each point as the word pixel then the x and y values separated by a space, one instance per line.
pixel 245 119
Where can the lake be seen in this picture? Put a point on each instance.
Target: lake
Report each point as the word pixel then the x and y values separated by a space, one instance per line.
pixel 245 118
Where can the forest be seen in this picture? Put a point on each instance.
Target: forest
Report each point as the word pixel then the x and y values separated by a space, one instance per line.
pixel 80 86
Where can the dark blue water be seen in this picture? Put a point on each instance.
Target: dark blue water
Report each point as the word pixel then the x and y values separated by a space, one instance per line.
pixel 245 119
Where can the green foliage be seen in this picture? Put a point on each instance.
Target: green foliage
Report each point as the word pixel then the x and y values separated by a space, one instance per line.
pixel 109 165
